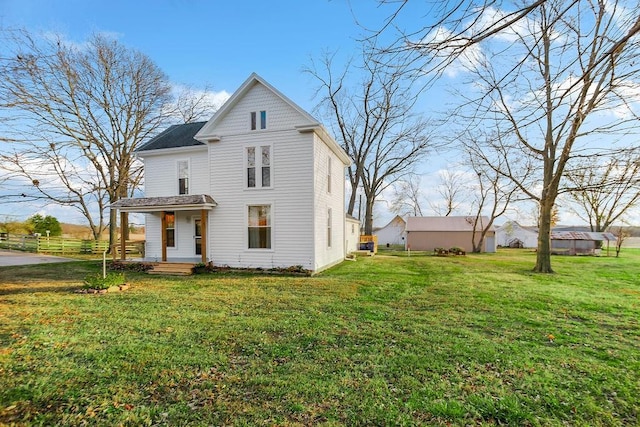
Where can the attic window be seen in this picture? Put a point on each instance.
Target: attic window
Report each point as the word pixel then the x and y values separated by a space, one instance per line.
pixel 254 120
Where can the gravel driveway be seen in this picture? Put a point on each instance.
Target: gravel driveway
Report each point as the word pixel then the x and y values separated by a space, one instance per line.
pixel 8 258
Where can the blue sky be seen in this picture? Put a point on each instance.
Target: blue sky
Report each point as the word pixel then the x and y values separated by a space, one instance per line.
pixel 219 43
pixel 214 43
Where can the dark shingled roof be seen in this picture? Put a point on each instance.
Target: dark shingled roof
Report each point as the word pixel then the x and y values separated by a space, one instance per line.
pixel 174 137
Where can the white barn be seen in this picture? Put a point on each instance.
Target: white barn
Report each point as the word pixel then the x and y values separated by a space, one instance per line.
pixel 261 184
pixel 392 233
pixel 512 234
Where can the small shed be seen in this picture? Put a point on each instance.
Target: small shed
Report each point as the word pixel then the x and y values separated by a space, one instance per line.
pixel 578 242
pixel 430 232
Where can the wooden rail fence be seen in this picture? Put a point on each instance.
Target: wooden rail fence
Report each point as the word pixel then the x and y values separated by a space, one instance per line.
pixel 64 246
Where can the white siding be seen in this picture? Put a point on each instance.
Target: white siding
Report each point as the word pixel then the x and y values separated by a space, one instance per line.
pixel 290 197
pixel 392 233
pixel 352 235
pixel 161 172
pixel 298 194
pixel 153 237
pixel 184 236
pixel 161 180
pixel 512 230
pixel 280 115
pixel 324 200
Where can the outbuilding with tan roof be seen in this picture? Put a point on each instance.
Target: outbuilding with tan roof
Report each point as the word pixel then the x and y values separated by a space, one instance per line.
pixel 430 232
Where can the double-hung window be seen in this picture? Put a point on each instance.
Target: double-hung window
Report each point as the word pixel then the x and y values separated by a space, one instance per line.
pixel 258 166
pixel 259 227
pixel 183 177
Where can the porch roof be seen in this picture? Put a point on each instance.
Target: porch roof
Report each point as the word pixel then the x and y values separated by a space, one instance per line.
pixel 171 203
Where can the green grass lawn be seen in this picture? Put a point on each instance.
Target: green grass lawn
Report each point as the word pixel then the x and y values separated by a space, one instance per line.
pixel 389 340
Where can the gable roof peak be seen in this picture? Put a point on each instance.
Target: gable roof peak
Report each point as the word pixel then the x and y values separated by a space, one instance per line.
pixel 206 133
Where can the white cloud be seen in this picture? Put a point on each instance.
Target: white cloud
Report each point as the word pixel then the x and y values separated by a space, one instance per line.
pixel 194 104
pixel 468 59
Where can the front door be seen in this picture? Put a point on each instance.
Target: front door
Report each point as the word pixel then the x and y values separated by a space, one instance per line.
pixel 197 235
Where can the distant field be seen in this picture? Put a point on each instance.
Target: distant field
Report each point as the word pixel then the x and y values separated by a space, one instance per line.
pixel 387 340
pixel 77 231
pixel 631 242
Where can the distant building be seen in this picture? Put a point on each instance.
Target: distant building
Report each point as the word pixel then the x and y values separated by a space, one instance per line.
pixel 578 242
pixel 428 233
pixel 565 240
pixel 392 233
pixel 513 235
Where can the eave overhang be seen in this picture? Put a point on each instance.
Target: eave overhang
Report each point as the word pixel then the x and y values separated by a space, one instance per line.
pixel 170 203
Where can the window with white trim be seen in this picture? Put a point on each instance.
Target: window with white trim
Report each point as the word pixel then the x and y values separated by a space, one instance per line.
pixel 254 119
pixel 183 177
pixel 329 227
pixel 258 160
pixel 329 174
pixel 259 227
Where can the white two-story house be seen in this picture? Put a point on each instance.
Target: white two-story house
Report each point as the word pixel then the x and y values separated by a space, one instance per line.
pixel 261 184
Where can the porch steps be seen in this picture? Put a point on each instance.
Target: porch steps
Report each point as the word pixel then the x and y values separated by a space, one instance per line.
pixel 173 268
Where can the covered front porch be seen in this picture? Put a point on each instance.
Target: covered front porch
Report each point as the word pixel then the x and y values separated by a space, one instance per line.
pixel 175 226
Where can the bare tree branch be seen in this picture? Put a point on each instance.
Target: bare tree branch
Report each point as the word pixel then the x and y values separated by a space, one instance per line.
pixel 604 190
pixel 407 196
pixel 568 67
pixel 374 121
pixel 79 112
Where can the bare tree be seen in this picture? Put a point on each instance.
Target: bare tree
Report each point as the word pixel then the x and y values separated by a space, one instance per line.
pixel 621 235
pixel 551 86
pixel 452 189
pixel 374 122
pixel 192 105
pixel 605 189
pixel 493 193
pixel 407 196
pixel 80 112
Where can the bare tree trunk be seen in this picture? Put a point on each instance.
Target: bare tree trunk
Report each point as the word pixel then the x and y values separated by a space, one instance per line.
pixel 355 183
pixel 368 217
pixel 543 256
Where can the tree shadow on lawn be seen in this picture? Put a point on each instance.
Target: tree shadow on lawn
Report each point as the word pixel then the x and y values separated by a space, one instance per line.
pixel 41 278
pixel 34 288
